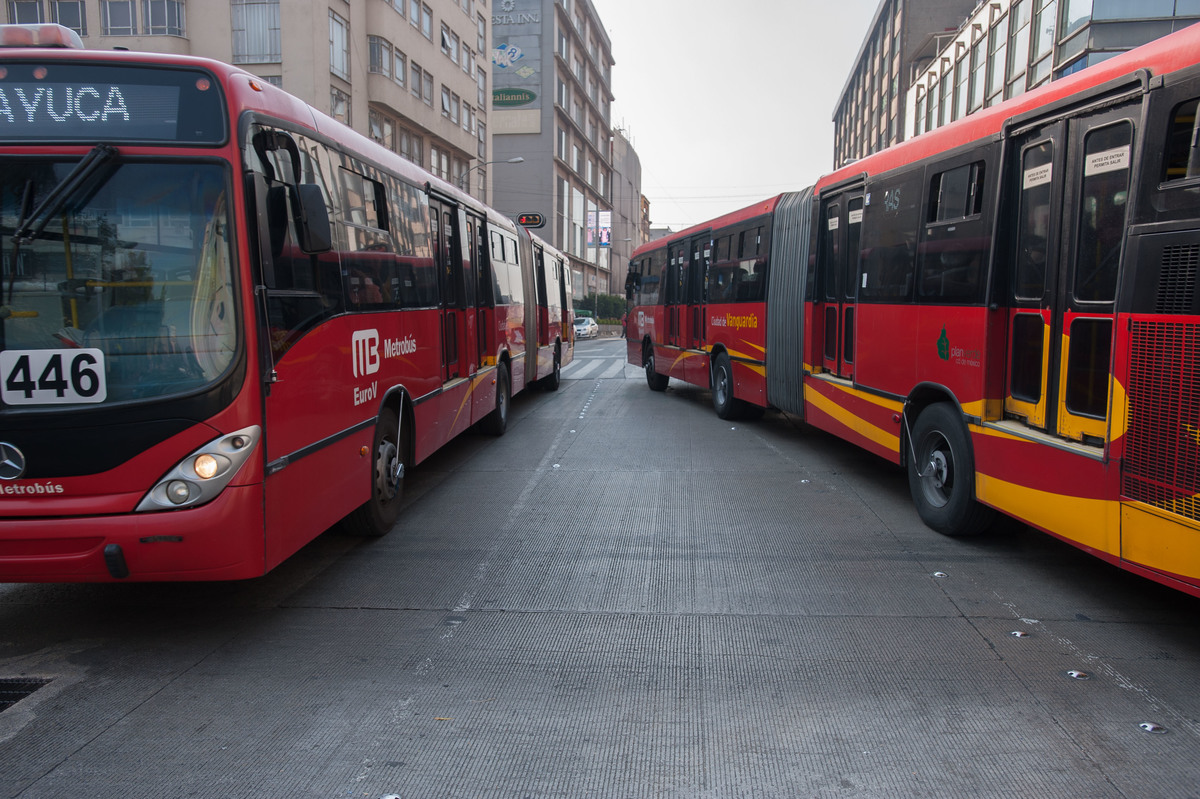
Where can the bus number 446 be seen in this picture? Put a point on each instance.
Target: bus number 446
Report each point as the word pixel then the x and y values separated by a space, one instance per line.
pixel 45 377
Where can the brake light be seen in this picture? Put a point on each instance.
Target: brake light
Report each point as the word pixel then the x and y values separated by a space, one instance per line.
pixel 47 35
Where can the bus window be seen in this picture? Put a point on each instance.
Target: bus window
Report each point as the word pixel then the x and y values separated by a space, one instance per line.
pixel 652 269
pixel 1033 226
pixel 956 244
pixel 1102 212
pixel 1181 158
pixel 891 219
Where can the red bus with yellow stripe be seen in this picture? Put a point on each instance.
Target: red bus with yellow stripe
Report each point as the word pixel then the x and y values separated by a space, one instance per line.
pixel 228 321
pixel 1008 306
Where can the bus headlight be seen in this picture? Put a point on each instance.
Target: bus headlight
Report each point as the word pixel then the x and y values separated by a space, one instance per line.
pixel 203 474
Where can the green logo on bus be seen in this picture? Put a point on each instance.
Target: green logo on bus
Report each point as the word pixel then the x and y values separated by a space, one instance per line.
pixel 944 345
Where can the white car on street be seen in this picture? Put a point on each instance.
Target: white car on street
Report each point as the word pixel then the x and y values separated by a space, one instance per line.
pixel 586 327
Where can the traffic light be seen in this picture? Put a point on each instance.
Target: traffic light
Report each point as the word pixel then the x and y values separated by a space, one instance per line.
pixel 531 220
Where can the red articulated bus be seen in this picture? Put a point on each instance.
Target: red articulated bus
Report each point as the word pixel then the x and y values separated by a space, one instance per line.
pixel 1007 305
pixel 229 322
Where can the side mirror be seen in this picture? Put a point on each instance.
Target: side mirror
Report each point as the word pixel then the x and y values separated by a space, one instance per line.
pixel 312 219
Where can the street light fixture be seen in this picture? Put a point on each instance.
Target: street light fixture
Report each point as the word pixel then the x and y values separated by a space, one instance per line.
pixel 462 179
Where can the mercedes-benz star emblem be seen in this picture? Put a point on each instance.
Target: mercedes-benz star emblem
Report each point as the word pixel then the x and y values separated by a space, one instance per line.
pixel 12 462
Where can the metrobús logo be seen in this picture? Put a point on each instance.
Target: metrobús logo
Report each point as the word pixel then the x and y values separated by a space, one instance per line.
pixel 31 490
pixel 366 358
pixel 735 321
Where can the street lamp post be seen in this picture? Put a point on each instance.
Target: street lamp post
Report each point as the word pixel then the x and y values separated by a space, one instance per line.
pixel 462 179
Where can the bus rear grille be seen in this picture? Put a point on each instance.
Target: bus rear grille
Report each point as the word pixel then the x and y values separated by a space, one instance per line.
pixel 1162 439
pixel 1177 280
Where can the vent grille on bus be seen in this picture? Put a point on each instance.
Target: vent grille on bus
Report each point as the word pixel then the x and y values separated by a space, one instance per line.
pixel 1177 280
pixel 1162 440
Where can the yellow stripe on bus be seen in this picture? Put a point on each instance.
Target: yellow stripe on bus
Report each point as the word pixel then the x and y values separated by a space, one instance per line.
pixel 890 441
pixel 1095 523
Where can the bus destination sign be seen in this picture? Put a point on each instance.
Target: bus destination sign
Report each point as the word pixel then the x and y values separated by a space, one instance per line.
pixel 120 103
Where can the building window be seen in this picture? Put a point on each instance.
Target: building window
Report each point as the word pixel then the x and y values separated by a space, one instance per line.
pixel 25 12
pixel 71 14
pixel 414 83
pixel 163 17
pixel 411 147
pixel 997 50
pixel 382 129
pixel 399 66
pixel 380 54
pixel 117 18
pixel 427 22
pixel 482 142
pixel 339 105
pixel 339 46
pixel 1018 46
pixel 481 34
pixel 1043 41
pixel 446 102
pixel 978 75
pixel 256 32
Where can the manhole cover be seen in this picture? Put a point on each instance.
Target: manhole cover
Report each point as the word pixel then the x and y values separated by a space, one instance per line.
pixel 14 689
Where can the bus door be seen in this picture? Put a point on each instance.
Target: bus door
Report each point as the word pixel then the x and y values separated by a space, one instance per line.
pixel 481 281
pixel 841 230
pixel 449 262
pixel 468 255
pixel 701 257
pixel 1069 192
pixel 675 294
pixel 543 298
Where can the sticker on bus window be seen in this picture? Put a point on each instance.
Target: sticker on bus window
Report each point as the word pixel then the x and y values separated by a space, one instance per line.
pixel 1113 160
pixel 856 216
pixel 52 377
pixel 1038 176
pixel 833 223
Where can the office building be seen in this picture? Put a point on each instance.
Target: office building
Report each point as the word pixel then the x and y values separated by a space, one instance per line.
pixel 552 109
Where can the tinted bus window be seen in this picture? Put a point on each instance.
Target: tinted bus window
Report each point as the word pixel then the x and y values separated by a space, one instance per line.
pixel 1102 212
pixel 956 244
pixel 891 221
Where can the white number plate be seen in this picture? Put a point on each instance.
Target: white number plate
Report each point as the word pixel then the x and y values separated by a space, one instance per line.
pixel 52 377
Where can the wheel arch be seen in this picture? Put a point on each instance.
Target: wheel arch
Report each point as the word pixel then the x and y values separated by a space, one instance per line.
pixel 921 397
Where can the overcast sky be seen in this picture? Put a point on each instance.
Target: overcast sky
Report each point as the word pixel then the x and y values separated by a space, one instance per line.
pixel 729 101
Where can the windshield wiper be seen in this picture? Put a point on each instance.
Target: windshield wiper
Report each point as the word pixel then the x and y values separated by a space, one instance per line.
pixel 76 187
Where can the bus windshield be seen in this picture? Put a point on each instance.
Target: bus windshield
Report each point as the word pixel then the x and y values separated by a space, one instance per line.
pixel 117 280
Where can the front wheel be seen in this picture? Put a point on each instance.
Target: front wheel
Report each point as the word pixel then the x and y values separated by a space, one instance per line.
pixel 941 474
pixel 378 515
pixel 656 381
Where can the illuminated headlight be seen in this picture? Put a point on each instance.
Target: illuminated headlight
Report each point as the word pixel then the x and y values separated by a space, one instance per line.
pixel 203 474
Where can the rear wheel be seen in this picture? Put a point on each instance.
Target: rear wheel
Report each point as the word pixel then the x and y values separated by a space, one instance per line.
pixel 724 403
pixel 656 381
pixel 941 474
pixel 551 381
pixel 378 515
pixel 496 422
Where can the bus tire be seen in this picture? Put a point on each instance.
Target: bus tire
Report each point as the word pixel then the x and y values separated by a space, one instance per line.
pixel 378 515
pixel 724 403
pixel 552 381
pixel 656 381
pixel 941 474
pixel 496 422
